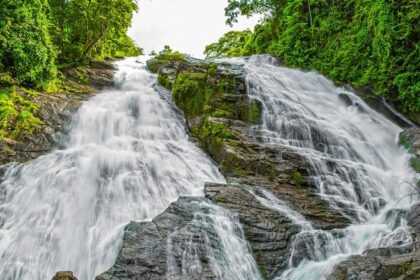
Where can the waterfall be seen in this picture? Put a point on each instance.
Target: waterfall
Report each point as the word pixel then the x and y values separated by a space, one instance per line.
pixel 127 158
pixel 218 233
pixel 352 156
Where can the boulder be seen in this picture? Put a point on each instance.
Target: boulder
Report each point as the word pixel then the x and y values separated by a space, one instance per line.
pixel 401 263
pixel 220 115
pixel 64 275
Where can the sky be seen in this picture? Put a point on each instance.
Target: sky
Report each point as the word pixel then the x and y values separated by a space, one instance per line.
pixel 185 25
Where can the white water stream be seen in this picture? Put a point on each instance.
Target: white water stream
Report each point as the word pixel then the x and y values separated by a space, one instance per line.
pixel 222 241
pixel 353 157
pixel 128 158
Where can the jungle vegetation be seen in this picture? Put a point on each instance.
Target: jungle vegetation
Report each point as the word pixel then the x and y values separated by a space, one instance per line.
pixel 38 37
pixel 367 43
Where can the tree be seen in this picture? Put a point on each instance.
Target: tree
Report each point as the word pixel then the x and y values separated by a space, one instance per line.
pixel 26 50
pixel 231 44
pixel 372 43
pixel 93 28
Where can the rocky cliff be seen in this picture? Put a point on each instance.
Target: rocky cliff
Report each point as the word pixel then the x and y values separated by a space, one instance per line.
pixel 220 116
pixel 54 111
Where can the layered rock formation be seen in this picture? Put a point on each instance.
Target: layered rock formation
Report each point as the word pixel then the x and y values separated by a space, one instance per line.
pixel 220 116
pixel 385 263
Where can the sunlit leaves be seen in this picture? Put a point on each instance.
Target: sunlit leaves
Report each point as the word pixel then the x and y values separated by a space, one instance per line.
pixel 371 43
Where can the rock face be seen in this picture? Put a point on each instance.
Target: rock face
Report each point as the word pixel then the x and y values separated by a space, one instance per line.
pixel 410 140
pixel 385 263
pixel 55 111
pixel 413 217
pixel 143 255
pixel 145 252
pixel 220 116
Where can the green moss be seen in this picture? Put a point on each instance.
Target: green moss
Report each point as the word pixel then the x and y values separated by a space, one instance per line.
pixel 6 79
pixel 297 178
pixel 270 172
pixel 255 109
pixel 212 69
pixel 404 267
pixel 7 110
pixel 222 114
pixel 81 75
pixel 220 199
pixel 165 81
pixel 189 92
pixel 68 88
pixel 415 164
pixel 17 117
pixel 214 131
pixel 232 143
pixel 404 142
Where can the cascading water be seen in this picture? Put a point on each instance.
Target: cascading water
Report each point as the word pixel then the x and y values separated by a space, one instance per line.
pixel 352 156
pixel 127 158
pixel 222 241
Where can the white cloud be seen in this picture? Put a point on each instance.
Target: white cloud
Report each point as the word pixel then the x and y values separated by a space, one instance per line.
pixel 185 25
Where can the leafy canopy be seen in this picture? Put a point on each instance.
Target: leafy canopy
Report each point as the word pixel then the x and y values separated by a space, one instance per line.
pixel 231 44
pixel 371 43
pixel 35 35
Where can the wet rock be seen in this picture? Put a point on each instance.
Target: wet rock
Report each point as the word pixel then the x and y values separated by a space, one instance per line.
pixel 223 129
pixel 268 232
pixel 386 263
pixel 410 139
pixel 413 217
pixel 379 267
pixel 222 123
pixel 64 275
pixel 144 254
pixel 55 112
pixel 348 100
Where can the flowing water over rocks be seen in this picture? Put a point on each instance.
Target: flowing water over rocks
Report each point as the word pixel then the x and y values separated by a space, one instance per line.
pixel 127 158
pixel 317 185
pixel 352 157
pixel 315 144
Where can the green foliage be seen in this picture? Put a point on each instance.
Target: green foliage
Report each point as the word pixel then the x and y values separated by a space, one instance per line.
pixel 297 178
pixel 232 44
pixel 167 54
pixel 405 142
pixel 92 28
pixel 36 33
pixel 202 90
pixel 26 51
pixel 415 164
pixel 17 117
pixel 255 111
pixel 189 92
pixel 81 75
pixel 362 42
